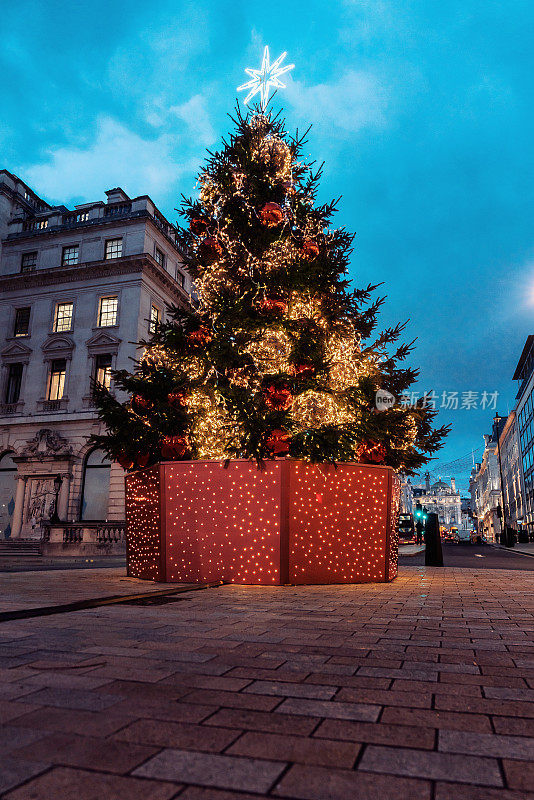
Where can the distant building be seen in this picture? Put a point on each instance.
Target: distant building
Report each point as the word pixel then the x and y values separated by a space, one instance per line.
pixel 512 476
pixel 442 499
pixel 524 423
pixel 466 513
pixel 406 495
pixel 485 486
pixel 78 289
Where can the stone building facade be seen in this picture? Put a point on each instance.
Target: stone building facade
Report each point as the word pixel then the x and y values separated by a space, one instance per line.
pixel 512 477
pixel 442 499
pixel 524 413
pixel 78 289
pixel 406 495
pixel 485 486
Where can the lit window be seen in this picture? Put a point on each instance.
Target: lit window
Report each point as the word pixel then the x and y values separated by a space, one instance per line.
pixel 103 370
pixel 63 317
pixel 155 316
pixel 107 312
pixel 159 256
pixel 82 216
pixel 22 322
pixel 70 255
pixel 56 383
pixel 113 248
pixel 14 380
pixel 28 262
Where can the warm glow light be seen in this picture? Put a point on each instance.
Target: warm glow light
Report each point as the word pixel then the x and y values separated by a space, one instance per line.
pixel 228 524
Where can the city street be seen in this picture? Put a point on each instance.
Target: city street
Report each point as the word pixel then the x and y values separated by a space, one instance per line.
pixel 421 688
pixel 476 557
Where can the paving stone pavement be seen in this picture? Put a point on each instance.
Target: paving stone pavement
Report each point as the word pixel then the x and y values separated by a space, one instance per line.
pixel 23 590
pixel 422 689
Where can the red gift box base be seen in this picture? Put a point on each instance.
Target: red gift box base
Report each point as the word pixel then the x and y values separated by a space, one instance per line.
pixel 290 523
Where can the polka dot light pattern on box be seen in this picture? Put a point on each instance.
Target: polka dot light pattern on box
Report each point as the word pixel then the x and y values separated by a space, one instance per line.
pixel 292 522
pixel 338 521
pixel 222 522
pixel 143 524
pixel 393 566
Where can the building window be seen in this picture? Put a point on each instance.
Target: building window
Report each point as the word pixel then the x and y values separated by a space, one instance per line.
pixel 70 255
pixel 155 317
pixel 56 383
pixel 103 370
pixel 63 317
pixel 22 322
pixel 180 277
pixel 159 256
pixel 8 474
pixel 107 312
pixel 28 262
pixel 14 380
pixel 95 492
pixel 113 248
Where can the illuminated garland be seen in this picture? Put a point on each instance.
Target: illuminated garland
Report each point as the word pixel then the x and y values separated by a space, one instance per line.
pixel 275 360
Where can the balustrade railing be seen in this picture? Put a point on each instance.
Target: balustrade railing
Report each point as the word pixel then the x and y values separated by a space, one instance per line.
pixel 101 534
pixel 118 210
pixel 111 533
pixel 73 534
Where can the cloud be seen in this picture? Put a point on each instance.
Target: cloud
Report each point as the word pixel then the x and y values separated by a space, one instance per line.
pixel 160 54
pixel 195 115
pixel 355 101
pixel 116 157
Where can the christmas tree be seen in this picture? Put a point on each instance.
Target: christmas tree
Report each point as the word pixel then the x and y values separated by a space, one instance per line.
pixel 277 358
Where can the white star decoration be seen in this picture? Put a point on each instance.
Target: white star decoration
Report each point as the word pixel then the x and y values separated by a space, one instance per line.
pixel 264 78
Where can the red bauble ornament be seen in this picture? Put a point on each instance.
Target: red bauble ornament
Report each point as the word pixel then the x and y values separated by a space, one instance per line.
pixel 176 399
pixel 309 249
pixel 200 337
pixel 371 452
pixel 125 461
pixel 174 448
pixel 210 250
pixel 279 398
pixel 198 226
pixel 272 305
pixel 143 459
pixel 271 215
pixel 141 404
pixel 278 442
pixel 303 371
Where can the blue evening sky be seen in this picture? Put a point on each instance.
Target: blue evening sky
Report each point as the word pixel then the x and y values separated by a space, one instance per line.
pixel 422 110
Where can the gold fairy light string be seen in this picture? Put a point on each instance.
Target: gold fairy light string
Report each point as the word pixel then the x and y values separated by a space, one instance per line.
pixel 209 430
pixel 316 409
pixel 302 307
pixel 271 353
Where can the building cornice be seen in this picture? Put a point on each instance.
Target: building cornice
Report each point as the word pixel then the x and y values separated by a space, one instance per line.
pixel 99 222
pixel 91 270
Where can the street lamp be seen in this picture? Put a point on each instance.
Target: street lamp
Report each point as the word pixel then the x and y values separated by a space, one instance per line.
pixel 58 480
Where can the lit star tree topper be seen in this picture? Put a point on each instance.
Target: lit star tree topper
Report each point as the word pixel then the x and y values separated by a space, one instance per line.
pixel 265 78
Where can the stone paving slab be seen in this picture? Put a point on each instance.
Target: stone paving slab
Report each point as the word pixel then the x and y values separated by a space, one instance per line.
pixel 22 590
pixel 420 689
